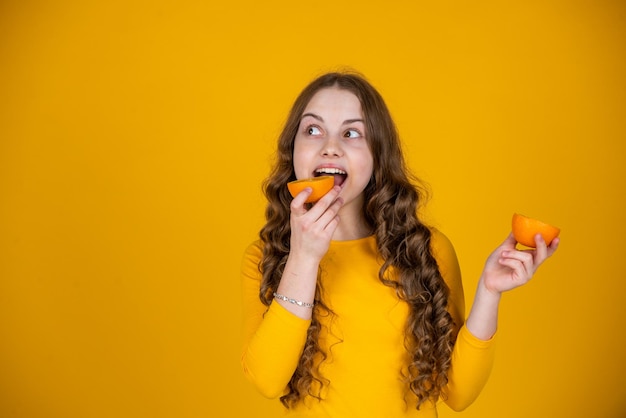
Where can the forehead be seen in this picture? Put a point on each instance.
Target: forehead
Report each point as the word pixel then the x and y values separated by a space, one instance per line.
pixel 333 99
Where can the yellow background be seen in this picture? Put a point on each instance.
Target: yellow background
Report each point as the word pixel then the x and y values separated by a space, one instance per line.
pixel 134 136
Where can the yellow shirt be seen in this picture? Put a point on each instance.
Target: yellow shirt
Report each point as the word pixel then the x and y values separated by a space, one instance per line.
pixel 364 339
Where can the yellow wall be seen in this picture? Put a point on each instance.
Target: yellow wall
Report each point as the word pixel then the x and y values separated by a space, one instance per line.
pixel 134 136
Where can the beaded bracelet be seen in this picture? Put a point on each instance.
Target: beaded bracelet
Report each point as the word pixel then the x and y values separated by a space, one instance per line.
pixel 294 301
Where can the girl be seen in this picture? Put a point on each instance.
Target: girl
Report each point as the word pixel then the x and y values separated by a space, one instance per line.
pixel 353 307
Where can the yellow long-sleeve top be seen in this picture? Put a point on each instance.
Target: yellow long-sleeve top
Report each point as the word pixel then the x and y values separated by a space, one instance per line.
pixel 364 338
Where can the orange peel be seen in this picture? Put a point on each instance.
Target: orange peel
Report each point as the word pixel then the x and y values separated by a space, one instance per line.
pixel 525 229
pixel 320 185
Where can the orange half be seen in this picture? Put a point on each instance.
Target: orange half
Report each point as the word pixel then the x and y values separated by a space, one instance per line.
pixel 320 185
pixel 525 229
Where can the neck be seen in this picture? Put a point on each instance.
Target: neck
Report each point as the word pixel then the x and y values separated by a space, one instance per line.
pixel 352 224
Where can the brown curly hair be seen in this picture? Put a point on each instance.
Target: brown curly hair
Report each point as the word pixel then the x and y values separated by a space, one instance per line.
pixel 391 206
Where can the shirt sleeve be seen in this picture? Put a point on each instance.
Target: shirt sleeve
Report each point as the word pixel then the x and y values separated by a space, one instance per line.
pixel 273 338
pixel 472 358
pixel 448 264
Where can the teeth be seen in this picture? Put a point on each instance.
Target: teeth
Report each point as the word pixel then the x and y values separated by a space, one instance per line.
pixel 329 170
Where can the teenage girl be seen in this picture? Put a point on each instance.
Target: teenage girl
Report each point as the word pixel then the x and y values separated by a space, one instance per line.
pixel 353 307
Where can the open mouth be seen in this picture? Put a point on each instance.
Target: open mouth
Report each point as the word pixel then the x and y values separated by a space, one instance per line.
pixel 339 175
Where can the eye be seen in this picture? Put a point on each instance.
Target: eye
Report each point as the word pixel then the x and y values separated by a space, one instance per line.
pixel 352 133
pixel 313 130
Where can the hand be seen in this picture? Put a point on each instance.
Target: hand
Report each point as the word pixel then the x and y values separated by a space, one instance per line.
pixel 508 268
pixel 312 229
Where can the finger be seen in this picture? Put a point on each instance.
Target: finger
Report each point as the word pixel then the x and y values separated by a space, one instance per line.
pixel 509 242
pixel 521 256
pixel 553 246
pixel 517 267
pixel 544 251
pixel 331 213
pixel 325 202
pixel 297 204
pixel 332 225
pixel 541 249
pixel 525 258
pixel 330 197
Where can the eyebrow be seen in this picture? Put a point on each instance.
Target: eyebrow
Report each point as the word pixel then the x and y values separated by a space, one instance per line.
pixel 318 117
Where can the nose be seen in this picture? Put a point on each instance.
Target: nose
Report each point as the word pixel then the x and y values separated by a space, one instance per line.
pixel 332 147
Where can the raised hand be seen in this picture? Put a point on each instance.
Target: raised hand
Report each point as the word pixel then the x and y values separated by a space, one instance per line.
pixel 311 232
pixel 507 267
pixel 312 229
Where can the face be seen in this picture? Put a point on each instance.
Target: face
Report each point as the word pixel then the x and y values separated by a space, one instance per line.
pixel 331 140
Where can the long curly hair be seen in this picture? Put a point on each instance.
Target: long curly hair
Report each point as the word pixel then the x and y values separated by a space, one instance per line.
pixel 391 203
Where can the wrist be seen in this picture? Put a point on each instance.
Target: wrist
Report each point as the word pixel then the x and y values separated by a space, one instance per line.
pixel 486 293
pixel 482 321
pixel 303 260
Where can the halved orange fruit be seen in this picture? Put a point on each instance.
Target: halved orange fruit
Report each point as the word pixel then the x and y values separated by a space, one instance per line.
pixel 525 229
pixel 320 185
